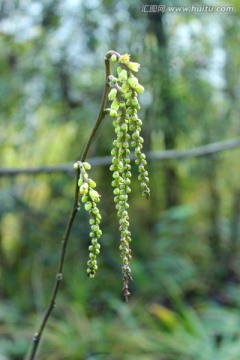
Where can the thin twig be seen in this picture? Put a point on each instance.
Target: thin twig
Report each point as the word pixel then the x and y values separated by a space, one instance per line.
pixel 205 150
pixel 101 112
pixel 75 208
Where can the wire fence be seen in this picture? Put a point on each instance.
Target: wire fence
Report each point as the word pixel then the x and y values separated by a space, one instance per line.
pixel 201 151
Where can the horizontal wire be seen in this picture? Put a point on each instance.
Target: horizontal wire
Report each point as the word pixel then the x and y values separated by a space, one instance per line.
pixel 205 150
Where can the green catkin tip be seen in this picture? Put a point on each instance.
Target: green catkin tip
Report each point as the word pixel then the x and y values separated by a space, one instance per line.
pixel 90 197
pixel 91 275
pixel 76 166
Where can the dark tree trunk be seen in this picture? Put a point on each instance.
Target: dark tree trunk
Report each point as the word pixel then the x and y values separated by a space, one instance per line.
pixel 167 115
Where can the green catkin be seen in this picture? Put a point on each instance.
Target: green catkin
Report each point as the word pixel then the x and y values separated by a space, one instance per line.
pixel 90 197
pixel 124 108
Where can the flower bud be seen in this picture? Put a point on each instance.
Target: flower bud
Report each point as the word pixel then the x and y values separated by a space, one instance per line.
pixel 115 104
pixel 112 95
pixel 124 88
pixel 123 76
pixel 116 191
pixel 95 228
pixel 84 188
pixel 80 181
pixel 127 95
pixel 134 101
pixel 119 69
pixel 139 88
pixel 112 167
pixel 129 111
pixel 113 113
pixel 95 211
pixel 88 205
pixel 86 166
pixel 124 127
pixel 94 195
pixel 92 183
pixel 84 198
pixel 76 166
pixel 113 58
pixel 133 81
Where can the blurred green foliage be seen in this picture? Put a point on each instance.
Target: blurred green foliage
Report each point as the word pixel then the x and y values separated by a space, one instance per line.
pixel 185 294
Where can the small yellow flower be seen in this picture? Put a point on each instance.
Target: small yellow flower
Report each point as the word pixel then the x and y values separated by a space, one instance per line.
pixel 124 59
pixel 134 66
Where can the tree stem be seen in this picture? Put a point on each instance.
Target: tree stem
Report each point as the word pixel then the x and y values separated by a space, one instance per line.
pixel 102 113
pixel 75 207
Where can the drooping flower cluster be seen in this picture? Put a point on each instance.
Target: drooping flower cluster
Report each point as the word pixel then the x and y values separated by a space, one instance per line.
pixel 90 197
pixel 124 107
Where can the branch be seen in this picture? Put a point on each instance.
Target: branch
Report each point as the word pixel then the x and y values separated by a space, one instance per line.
pixel 205 150
pixel 75 208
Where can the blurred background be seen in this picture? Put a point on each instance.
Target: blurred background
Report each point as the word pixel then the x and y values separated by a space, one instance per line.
pixel 185 297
